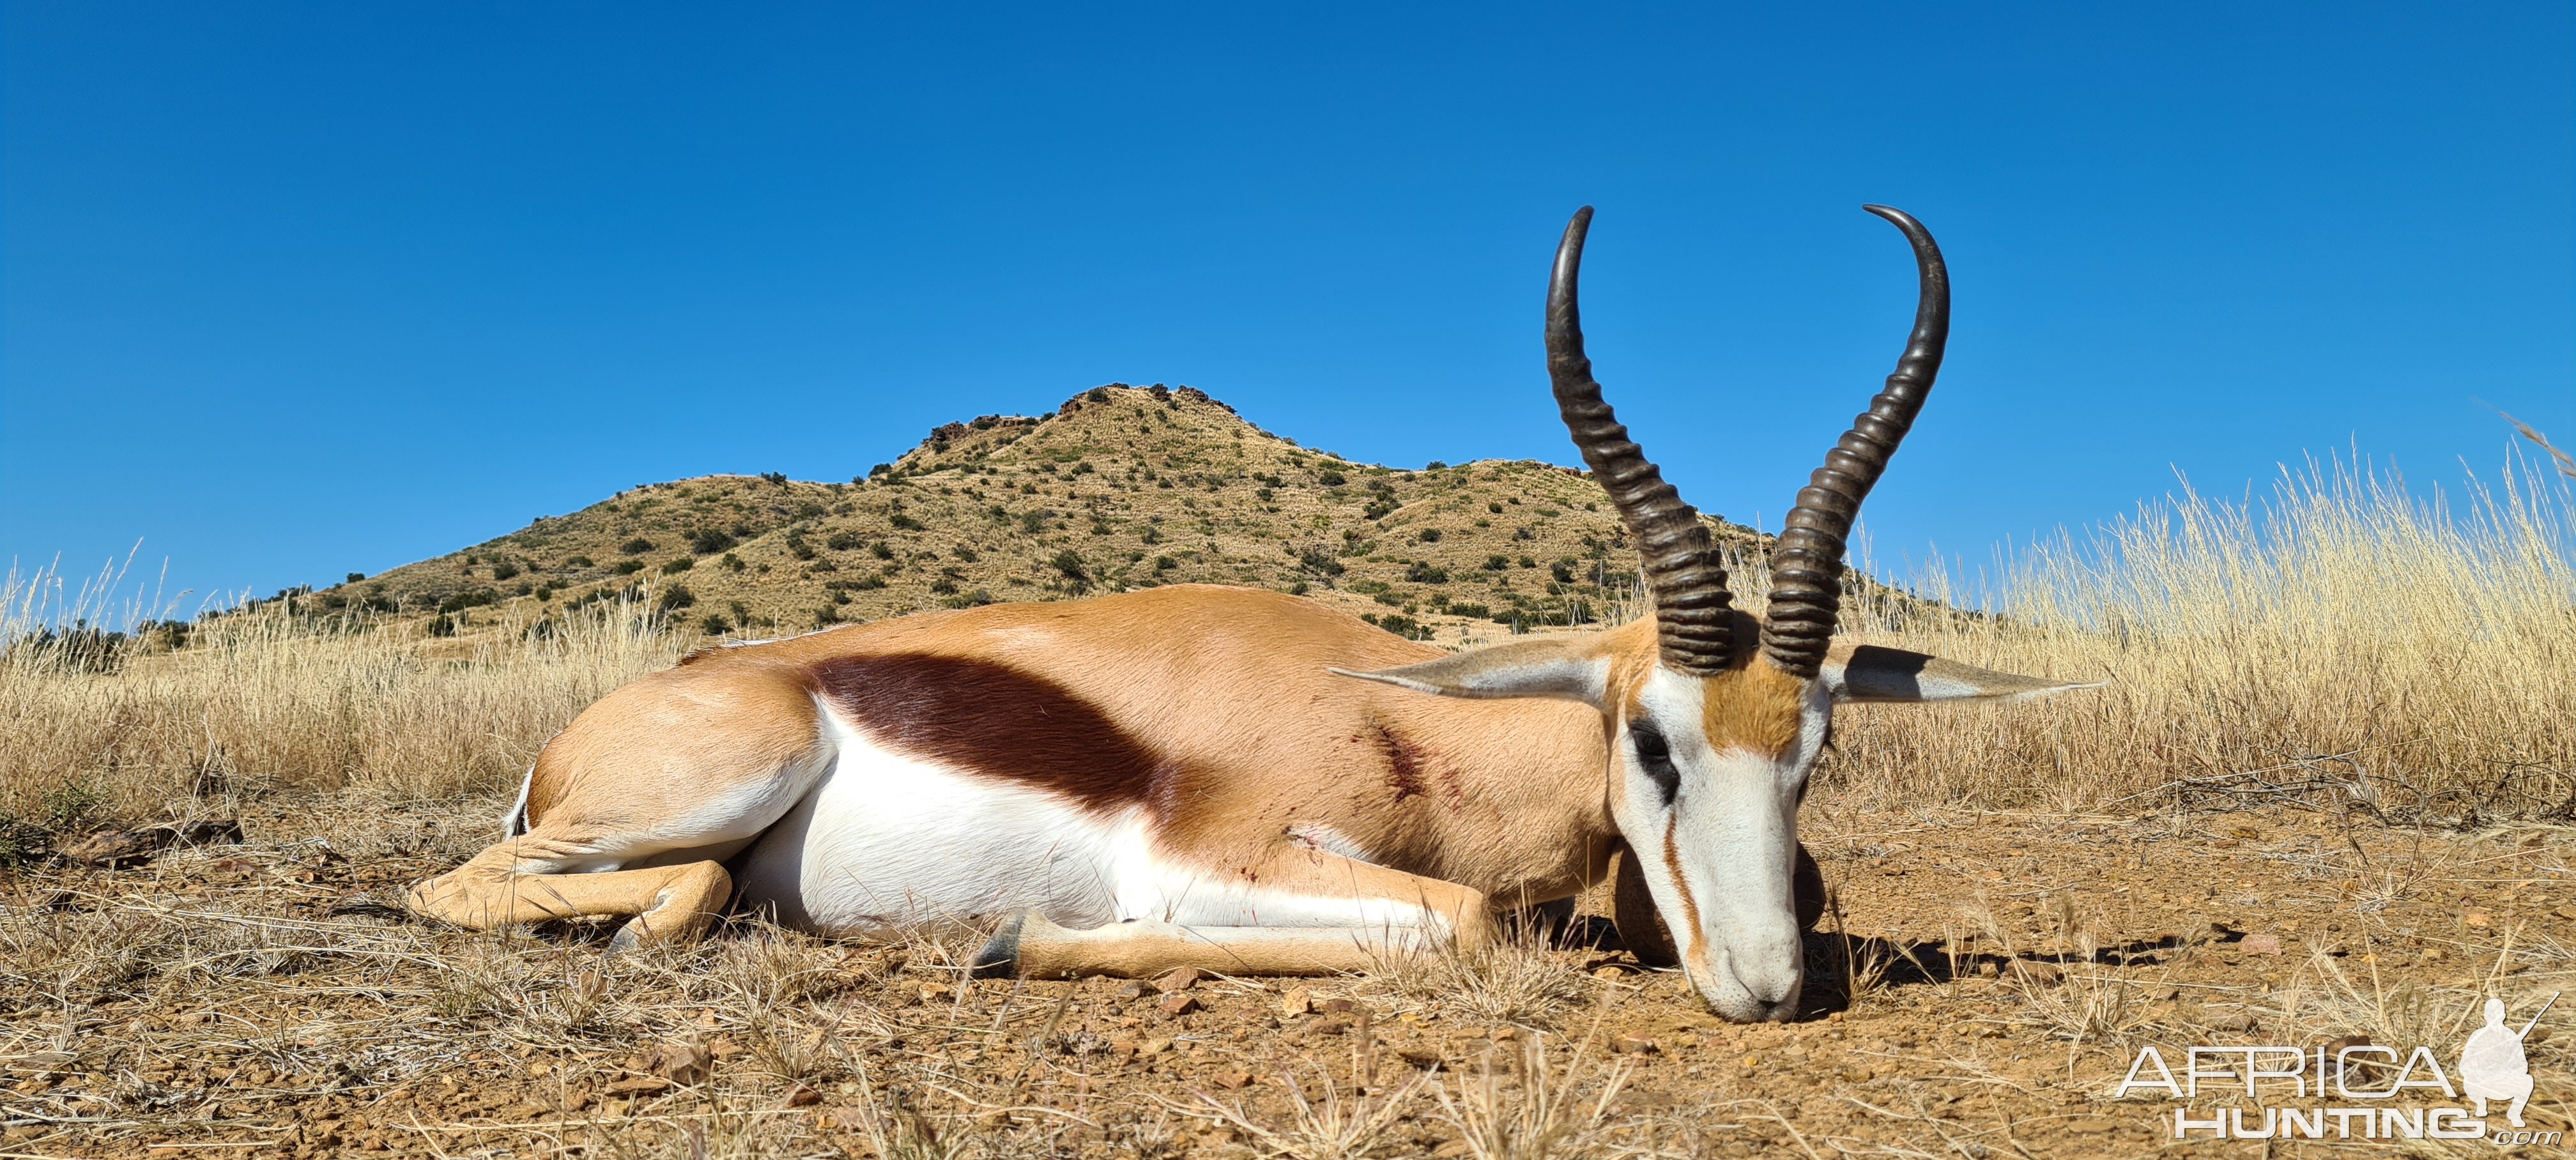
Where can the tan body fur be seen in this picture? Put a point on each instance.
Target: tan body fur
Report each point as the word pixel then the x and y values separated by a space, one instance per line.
pixel 1232 688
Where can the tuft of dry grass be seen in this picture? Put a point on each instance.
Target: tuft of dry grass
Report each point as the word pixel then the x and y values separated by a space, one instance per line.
pixel 1551 1114
pixel 1516 979
pixel 1331 1126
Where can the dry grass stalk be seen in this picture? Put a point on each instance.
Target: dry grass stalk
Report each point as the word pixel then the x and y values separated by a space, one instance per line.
pixel 898 1131
pixel 1544 1116
pixel 2566 463
pixel 1852 969
pixel 2069 994
pixel 1334 1127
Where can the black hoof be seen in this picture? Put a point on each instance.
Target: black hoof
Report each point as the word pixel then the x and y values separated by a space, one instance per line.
pixel 1000 958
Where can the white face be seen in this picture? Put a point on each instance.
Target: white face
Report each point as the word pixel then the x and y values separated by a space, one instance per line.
pixel 1715 832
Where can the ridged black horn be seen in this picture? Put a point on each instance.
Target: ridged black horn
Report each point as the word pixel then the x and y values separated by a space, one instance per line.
pixel 1807 562
pixel 1693 618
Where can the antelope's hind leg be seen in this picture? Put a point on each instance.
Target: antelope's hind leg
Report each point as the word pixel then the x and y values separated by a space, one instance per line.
pixel 1313 913
pixel 633 808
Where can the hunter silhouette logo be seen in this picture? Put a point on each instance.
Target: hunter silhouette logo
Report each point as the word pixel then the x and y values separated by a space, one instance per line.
pixel 2492 1066
pixel 2492 1069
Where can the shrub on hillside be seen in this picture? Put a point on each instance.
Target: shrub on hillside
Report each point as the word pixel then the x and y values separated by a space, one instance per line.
pixel 1399 624
pixel 636 547
pixel 1076 574
pixel 470 598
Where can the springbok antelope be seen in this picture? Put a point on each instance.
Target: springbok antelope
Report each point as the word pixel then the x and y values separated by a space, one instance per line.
pixel 1243 780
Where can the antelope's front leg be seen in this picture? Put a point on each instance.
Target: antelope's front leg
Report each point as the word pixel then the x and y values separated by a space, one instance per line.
pixel 1300 912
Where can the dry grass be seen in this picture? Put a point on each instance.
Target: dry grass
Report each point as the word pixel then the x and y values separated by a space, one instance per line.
pixel 1334 1125
pixel 1516 979
pixel 261 701
pixel 2341 644
pixel 1550 1113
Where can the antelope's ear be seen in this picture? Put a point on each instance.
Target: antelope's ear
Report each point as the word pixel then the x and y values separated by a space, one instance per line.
pixel 1571 670
pixel 1868 673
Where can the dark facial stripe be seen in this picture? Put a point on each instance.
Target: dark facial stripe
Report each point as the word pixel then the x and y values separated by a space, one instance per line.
pixel 1681 886
pixel 994 721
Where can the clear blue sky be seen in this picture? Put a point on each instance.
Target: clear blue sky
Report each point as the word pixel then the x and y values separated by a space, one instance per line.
pixel 292 290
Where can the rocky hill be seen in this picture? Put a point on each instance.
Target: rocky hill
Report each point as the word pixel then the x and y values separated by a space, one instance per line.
pixel 1121 488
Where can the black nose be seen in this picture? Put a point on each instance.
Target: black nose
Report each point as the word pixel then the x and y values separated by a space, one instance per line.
pixel 1778 1005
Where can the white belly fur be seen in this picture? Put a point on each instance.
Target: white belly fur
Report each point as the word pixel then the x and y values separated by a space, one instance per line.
pixel 886 840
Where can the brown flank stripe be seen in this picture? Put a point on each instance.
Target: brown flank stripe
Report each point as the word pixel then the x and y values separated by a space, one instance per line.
pixel 990 720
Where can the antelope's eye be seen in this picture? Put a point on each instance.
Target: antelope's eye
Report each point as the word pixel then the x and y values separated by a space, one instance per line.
pixel 1656 758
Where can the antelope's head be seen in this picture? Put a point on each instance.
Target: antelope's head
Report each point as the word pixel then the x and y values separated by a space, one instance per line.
pixel 1713 719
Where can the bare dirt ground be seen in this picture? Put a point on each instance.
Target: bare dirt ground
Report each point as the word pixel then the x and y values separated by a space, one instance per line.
pixel 1997 975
